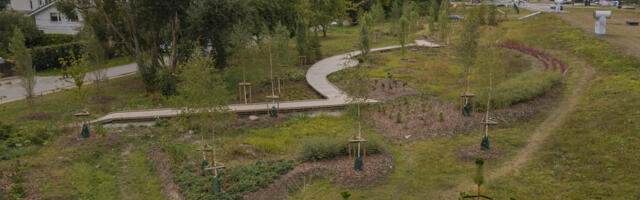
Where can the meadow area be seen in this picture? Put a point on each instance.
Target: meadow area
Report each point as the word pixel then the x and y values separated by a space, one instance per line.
pixel 566 104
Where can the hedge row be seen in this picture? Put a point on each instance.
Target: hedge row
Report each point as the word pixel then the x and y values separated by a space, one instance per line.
pixel 330 148
pixel 46 57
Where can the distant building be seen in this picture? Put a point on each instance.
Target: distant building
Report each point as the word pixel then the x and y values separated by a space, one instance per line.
pixel 47 17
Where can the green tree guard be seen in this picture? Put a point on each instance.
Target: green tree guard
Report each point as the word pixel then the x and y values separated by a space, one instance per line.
pixel 358 164
pixel 485 143
pixel 203 165
pixel 215 185
pixel 466 110
pixel 274 112
pixel 85 131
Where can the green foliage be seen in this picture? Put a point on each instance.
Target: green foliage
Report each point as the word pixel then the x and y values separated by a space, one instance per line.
pixel 23 65
pixel 6 130
pixel 443 21
pixel 237 181
pixel 11 20
pixel 345 194
pixel 34 135
pixel 398 117
pixel 53 39
pixel 492 19
pixel 433 17
pixel 77 68
pixel 199 79
pixel 302 38
pixel 440 116
pixel 320 149
pixel 521 88
pixel 366 23
pixel 478 179
pixel 46 57
pixel 403 33
pixel 468 44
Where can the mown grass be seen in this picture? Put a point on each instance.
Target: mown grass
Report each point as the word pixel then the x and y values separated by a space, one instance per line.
pixel 438 72
pixel 521 88
pixel 424 168
pixel 594 154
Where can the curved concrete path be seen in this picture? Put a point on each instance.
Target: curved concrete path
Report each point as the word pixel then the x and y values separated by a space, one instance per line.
pixel 11 90
pixel 316 77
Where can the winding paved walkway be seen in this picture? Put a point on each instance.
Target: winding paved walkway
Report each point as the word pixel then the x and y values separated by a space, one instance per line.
pixel 11 90
pixel 316 77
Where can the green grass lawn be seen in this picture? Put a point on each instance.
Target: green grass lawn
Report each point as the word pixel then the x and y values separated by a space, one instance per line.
pixel 110 63
pixel 592 156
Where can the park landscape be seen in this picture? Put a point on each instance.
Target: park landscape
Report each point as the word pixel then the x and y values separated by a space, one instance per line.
pixel 395 100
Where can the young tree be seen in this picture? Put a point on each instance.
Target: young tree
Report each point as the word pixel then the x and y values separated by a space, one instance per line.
pixel 478 178
pixel 468 43
pixel 77 70
pixel 403 33
pixel 365 36
pixel 377 16
pixel 302 38
pixel 491 17
pixel 358 89
pixel 413 24
pixel 23 66
pixel 433 17
pixel 443 21
pixel 96 57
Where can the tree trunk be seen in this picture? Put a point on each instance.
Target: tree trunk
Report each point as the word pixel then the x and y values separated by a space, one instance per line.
pixel 324 30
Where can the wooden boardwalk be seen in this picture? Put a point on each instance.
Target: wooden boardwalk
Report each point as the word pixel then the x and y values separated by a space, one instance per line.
pixel 316 77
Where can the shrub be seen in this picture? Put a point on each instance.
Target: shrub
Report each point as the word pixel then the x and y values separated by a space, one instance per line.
pixel 294 74
pixel 398 118
pixel 37 135
pixel 331 148
pixel 46 57
pixel 521 88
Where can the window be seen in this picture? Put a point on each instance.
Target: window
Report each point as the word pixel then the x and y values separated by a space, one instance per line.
pixel 55 17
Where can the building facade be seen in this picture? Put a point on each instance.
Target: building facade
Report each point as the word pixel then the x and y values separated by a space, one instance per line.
pixel 47 17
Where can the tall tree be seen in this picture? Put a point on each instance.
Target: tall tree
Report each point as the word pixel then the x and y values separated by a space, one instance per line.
pixel 3 4
pixel 323 12
pixel 23 66
pixel 138 25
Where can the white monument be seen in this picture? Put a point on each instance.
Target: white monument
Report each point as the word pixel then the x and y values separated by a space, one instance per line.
pixel 601 17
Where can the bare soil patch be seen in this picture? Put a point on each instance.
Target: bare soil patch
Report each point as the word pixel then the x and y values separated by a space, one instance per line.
pixel 160 161
pixel 339 170
pixel 420 117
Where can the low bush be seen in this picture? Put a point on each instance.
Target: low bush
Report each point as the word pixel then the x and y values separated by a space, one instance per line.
pixel 294 74
pixel 236 182
pixel 331 148
pixel 36 135
pixel 46 57
pixel 521 88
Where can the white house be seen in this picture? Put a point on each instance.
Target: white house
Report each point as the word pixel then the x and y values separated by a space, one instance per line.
pixel 27 6
pixel 47 17
pixel 50 20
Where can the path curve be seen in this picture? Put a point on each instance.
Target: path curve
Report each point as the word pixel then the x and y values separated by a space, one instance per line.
pixel 553 121
pixel 316 77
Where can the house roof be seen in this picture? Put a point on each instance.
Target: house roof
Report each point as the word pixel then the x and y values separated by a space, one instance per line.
pixel 36 11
